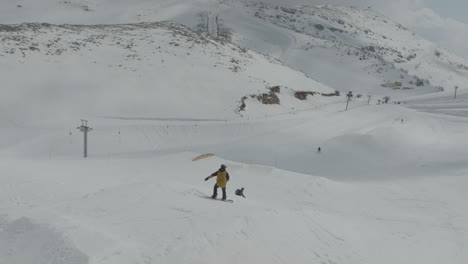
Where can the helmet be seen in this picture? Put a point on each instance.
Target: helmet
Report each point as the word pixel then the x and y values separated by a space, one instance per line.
pixel 223 166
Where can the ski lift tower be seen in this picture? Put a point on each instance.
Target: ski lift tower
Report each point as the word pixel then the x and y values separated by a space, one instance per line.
pixel 85 129
pixel 349 95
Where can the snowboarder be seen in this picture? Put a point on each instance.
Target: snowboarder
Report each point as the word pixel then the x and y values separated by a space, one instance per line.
pixel 240 192
pixel 222 177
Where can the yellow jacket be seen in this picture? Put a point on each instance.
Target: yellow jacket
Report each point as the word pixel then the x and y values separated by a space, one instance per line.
pixel 222 177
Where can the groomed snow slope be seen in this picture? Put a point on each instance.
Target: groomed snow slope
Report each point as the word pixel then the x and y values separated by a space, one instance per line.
pixel 154 210
pixel 140 198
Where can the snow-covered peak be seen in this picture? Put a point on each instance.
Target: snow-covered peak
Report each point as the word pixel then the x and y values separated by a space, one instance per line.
pixel 369 35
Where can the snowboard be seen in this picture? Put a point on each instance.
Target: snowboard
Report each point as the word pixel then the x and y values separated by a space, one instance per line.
pixel 219 199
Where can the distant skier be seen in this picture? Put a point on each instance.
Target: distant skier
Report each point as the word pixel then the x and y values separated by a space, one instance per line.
pixel 240 192
pixel 402 120
pixel 222 177
pixel 319 150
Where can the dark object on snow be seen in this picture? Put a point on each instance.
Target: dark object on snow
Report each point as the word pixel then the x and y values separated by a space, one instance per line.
pixel 222 177
pixel 319 150
pixel 240 192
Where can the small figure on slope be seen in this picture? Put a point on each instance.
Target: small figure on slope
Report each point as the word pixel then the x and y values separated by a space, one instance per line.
pixel 222 177
pixel 240 192
pixel 319 150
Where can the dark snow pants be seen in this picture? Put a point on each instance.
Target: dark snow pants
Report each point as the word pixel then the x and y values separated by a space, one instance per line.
pixel 215 191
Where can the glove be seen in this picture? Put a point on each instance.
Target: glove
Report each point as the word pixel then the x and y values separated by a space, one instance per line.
pixel 207 178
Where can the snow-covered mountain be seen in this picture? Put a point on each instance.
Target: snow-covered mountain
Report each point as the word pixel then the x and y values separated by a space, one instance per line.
pixel 353 43
pixel 338 46
pixel 157 69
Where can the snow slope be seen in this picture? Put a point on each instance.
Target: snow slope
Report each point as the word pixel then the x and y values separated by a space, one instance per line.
pixel 360 46
pixel 388 187
pixel 344 48
pixel 143 70
pixel 153 210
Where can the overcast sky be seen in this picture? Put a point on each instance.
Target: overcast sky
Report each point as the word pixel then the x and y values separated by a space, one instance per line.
pixel 456 9
pixel 444 22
